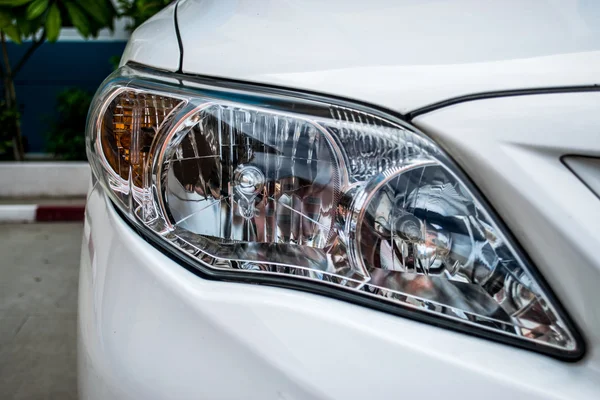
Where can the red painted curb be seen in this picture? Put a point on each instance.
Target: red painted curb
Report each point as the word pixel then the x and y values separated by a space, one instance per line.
pixel 45 213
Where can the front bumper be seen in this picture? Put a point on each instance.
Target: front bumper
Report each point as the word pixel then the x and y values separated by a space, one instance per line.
pixel 150 329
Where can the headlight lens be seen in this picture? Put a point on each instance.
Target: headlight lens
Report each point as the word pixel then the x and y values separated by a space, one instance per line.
pixel 272 184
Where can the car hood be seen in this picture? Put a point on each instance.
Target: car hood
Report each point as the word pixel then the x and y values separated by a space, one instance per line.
pixel 402 54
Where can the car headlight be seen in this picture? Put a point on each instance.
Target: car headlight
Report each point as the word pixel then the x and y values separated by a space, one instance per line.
pixel 264 185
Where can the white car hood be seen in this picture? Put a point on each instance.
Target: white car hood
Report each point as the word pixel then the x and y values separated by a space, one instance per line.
pixel 399 54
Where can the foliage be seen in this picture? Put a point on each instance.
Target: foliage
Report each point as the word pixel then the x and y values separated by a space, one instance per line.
pixel 20 19
pixel 140 10
pixel 42 20
pixel 114 61
pixel 67 136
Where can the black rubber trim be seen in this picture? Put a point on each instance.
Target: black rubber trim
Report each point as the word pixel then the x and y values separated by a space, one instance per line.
pixel 500 93
pixel 359 298
pixel 179 42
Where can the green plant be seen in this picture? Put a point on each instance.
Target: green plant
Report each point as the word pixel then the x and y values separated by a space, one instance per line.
pixel 66 139
pixel 140 10
pixel 114 61
pixel 41 20
pixel 8 121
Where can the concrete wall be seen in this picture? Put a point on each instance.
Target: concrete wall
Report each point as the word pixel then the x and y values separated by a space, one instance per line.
pixel 44 179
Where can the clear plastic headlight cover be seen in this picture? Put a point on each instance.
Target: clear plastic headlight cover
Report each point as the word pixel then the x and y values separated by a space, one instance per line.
pixel 271 186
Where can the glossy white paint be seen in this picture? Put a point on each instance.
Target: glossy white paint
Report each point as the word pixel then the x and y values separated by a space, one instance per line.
pixel 511 149
pixel 400 54
pixel 149 329
pixel 154 43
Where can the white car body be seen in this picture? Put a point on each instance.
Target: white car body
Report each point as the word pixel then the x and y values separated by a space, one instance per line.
pixel 515 89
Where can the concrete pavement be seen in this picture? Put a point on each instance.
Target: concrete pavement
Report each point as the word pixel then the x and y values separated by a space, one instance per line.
pixel 38 310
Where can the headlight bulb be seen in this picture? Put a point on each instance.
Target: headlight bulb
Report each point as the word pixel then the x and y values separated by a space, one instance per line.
pixel 248 181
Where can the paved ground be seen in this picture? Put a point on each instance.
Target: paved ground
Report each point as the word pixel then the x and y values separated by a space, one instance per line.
pixel 38 310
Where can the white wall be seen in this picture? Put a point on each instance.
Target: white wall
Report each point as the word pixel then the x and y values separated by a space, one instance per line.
pixel 44 179
pixel 119 34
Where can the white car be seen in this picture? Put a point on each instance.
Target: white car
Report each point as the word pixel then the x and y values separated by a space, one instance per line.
pixel 346 200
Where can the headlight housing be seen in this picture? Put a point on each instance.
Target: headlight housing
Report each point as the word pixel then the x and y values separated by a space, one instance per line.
pixel 264 185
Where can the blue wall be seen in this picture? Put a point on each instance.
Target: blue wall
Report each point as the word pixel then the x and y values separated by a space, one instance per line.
pixel 52 68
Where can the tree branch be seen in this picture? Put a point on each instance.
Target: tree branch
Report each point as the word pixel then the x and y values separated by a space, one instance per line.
pixel 5 52
pixel 5 74
pixel 36 43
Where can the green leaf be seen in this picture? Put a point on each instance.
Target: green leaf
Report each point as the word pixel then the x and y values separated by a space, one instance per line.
pixel 36 8
pixel 14 3
pixel 79 19
pixel 24 25
pixel 13 33
pixel 5 18
pixel 25 28
pixel 102 11
pixel 53 23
